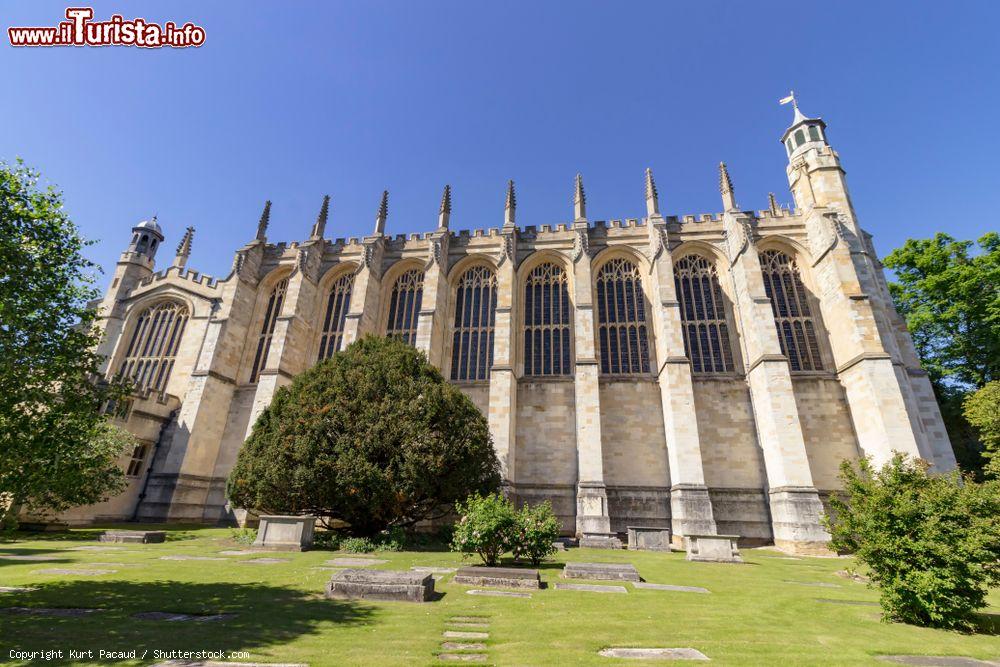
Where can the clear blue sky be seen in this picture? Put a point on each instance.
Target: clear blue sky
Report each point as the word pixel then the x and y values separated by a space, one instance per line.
pixel 289 101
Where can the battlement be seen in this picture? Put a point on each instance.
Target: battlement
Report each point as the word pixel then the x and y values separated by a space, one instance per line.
pixel 182 274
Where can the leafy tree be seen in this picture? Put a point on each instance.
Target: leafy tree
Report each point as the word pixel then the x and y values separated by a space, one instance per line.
pixel 373 437
pixel 535 533
pixel 57 449
pixel 487 527
pixel 931 542
pixel 949 294
pixel 982 410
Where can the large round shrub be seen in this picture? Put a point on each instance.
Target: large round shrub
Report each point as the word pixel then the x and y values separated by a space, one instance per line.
pixel 373 437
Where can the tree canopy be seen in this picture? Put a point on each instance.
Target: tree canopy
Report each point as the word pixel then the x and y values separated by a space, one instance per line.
pixel 57 449
pixel 373 437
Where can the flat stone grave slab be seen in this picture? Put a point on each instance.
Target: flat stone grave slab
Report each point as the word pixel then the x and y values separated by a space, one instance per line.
pixel 174 616
pixel 17 589
pixel 95 547
pixel 347 561
pixel 600 542
pixel 186 557
pixel 712 548
pixel 670 587
pixel 858 603
pixel 134 536
pixel 501 577
pixel 264 561
pixel 433 570
pixel 819 584
pixel 498 594
pixel 462 657
pixel 593 588
pixel 649 538
pixel 937 660
pixel 463 646
pixel 28 557
pixel 238 552
pixel 654 653
pixel 352 584
pixel 285 533
pixel 82 573
pixel 50 611
pixel 464 634
pixel 601 571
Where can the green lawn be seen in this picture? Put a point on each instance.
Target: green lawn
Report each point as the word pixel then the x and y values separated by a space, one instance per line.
pixel 752 616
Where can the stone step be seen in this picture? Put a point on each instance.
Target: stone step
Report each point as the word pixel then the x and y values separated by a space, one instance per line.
pixel 463 646
pixel 462 657
pixel 459 634
pixel 469 626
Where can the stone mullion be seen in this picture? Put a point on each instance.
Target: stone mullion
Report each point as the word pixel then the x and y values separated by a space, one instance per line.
pixel 690 505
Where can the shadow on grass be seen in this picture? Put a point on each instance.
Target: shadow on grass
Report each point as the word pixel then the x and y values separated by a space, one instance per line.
pixel 987 623
pixel 264 616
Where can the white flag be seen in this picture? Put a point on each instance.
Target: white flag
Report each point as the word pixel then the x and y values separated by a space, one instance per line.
pixel 786 100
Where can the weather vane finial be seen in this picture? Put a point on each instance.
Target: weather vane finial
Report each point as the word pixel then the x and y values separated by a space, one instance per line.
pixel 790 98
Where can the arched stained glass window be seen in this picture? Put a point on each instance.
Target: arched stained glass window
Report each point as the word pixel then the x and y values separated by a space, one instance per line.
pixel 623 338
pixel 156 337
pixel 703 315
pixel 792 314
pixel 274 303
pixel 337 304
pixel 475 312
pixel 404 306
pixel 546 321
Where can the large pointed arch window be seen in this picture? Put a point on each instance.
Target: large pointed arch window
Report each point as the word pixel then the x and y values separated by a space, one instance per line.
pixel 475 313
pixel 274 303
pixel 623 337
pixel 546 321
pixel 703 315
pixel 152 350
pixel 404 306
pixel 792 313
pixel 337 304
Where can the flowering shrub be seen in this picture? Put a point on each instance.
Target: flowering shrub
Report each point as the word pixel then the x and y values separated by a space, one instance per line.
pixel 487 527
pixel 536 530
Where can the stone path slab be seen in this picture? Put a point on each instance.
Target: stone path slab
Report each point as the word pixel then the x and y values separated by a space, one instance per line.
pixel 462 657
pixel 654 653
pixel 937 660
pixel 82 573
pixel 593 588
pixel 464 634
pixel 185 557
pixel 173 616
pixel 463 646
pixel 468 619
pixel 670 587
pixel 264 561
pixel 468 626
pixel 17 589
pixel 50 611
pixel 35 557
pixel 817 584
pixel 355 562
pixel 498 594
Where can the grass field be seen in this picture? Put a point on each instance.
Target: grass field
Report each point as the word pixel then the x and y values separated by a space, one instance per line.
pixel 754 615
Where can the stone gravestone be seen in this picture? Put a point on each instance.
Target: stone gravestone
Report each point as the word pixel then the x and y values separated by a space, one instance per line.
pixel 601 571
pixel 649 538
pixel 354 584
pixel 285 533
pixel 712 548
pixel 503 577
pixel 600 541
pixel 134 536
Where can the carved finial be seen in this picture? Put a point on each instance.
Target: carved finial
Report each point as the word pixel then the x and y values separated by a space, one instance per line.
pixel 444 213
pixel 772 204
pixel 510 205
pixel 652 196
pixel 265 218
pixel 579 200
pixel 726 188
pixel 324 212
pixel 383 213
pixel 184 248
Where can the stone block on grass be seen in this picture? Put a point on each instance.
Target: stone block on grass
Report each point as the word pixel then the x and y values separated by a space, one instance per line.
pixel 500 577
pixel 712 548
pixel 285 533
pixel 600 541
pixel 649 538
pixel 133 536
pixel 358 584
pixel 601 571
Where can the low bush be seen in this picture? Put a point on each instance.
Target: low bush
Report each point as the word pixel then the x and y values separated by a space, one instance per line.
pixel 486 528
pixel 358 545
pixel 930 542
pixel 536 530
pixel 327 539
pixel 245 536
